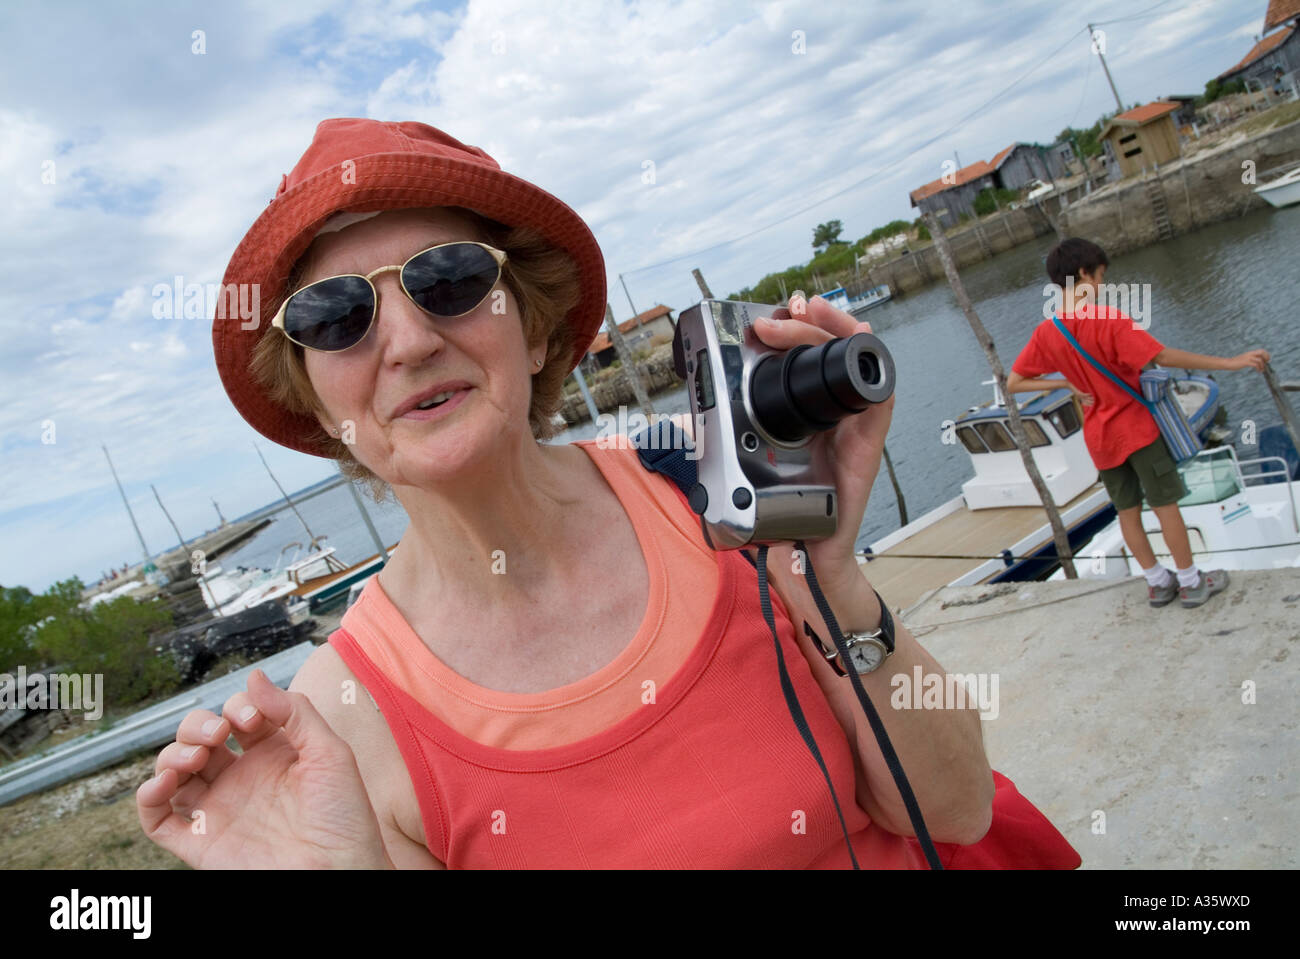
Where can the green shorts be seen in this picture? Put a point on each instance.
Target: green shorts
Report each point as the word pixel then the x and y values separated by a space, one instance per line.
pixel 1150 471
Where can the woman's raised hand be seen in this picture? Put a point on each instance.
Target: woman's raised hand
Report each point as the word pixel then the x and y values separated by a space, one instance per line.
pixel 294 799
pixel 852 449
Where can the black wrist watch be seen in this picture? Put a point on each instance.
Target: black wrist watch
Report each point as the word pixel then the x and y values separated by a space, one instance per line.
pixel 867 650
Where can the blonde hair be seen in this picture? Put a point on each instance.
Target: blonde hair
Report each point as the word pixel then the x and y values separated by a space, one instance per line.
pixel 544 282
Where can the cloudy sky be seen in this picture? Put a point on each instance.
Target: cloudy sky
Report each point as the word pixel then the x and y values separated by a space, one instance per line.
pixel 133 150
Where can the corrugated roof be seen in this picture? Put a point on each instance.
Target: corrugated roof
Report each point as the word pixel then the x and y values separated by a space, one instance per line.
pixel 602 340
pixel 965 175
pixel 1269 43
pixel 998 160
pixel 1279 12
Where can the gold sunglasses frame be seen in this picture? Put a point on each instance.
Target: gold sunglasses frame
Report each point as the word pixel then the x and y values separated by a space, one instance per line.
pixel 278 320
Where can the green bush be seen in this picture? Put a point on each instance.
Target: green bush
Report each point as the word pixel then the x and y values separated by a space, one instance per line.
pixel 113 638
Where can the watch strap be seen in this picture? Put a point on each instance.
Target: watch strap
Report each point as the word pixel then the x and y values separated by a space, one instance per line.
pixel 884 632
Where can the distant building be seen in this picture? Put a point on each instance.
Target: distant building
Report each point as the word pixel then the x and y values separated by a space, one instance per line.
pixel 953 194
pixel 1273 63
pixel 1140 139
pixel 637 332
pixel 1013 169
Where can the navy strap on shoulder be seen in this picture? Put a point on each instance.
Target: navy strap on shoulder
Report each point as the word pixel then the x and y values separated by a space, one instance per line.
pixel 1097 366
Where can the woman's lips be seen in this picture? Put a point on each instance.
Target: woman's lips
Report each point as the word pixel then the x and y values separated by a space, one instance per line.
pixel 440 410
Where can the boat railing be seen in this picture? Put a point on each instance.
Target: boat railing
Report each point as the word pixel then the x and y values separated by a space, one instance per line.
pixel 1284 471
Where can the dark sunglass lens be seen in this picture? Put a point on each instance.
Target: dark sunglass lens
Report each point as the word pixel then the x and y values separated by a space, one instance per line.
pixel 451 280
pixel 331 315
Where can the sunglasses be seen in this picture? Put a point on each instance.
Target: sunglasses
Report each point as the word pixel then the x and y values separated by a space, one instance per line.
pixel 336 313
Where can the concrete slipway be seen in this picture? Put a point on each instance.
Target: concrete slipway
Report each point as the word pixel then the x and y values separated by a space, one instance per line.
pixel 1107 705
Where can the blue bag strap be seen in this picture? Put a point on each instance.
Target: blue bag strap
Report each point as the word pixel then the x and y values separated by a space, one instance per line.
pixel 1099 368
pixel 662 449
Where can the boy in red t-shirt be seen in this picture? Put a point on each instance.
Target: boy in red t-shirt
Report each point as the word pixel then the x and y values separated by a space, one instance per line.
pixel 1125 443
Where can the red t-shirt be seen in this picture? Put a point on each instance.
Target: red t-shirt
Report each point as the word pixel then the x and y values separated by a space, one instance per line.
pixel 1116 425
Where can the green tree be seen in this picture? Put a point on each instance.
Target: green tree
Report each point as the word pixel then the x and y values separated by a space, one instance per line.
pixel 114 638
pixel 827 233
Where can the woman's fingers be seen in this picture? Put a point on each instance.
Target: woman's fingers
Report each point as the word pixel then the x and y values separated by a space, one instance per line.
pixel 160 822
pixel 811 323
pixel 304 727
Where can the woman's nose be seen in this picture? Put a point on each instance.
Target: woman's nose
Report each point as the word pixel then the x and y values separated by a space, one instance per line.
pixel 406 333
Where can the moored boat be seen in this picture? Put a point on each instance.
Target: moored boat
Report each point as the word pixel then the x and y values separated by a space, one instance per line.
pixel 1284 191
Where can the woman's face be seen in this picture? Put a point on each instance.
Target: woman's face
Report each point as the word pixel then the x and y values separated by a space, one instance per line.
pixel 481 357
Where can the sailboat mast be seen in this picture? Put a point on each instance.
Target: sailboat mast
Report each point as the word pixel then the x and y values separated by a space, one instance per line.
pixel 143 548
pixel 311 538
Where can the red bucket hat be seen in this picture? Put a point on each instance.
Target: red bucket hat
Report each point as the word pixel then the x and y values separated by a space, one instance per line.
pixel 361 165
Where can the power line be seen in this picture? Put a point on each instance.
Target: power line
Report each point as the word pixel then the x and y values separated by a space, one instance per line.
pixel 872 176
pixel 1136 16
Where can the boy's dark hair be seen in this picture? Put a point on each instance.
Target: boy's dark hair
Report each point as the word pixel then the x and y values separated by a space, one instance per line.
pixel 1072 255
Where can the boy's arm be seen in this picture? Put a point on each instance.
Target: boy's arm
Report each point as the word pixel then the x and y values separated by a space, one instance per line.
pixel 1182 360
pixel 1019 384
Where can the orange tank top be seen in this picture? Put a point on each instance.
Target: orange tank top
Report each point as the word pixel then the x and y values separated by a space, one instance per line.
pixel 709 772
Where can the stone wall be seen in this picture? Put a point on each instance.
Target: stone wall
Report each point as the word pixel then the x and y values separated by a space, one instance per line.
pixel 1200 190
pixel 657 374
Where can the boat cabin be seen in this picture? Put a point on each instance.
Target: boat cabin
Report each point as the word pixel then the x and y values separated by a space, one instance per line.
pixel 1053 421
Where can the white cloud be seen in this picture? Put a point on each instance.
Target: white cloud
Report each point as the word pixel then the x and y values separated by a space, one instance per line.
pixel 165 159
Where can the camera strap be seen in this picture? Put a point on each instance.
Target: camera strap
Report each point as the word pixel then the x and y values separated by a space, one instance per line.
pixel 662 449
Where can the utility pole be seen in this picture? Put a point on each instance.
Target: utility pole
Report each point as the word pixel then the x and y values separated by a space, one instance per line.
pixel 1013 410
pixel 704 287
pixel 1092 35
pixel 629 362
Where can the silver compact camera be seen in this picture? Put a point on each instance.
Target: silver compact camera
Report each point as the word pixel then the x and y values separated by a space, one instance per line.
pixel 756 410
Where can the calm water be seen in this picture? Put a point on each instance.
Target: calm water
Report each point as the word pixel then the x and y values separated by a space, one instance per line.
pixel 1223 290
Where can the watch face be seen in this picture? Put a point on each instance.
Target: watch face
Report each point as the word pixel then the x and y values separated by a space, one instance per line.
pixel 867 656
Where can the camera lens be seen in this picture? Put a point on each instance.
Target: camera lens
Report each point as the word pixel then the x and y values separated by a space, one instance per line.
pixel 809 389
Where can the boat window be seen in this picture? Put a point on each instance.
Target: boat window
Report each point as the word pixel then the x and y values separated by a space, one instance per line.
pixel 1065 419
pixel 969 440
pixel 996 436
pixel 1035 433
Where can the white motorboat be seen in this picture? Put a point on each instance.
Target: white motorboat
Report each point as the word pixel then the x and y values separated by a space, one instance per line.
pixel 839 298
pixel 872 298
pixel 1240 514
pixel 1284 191
pixel 996 530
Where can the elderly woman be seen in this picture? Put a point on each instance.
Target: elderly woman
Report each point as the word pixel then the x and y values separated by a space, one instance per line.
pixel 554 669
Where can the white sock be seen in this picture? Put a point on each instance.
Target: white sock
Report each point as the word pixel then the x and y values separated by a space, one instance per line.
pixel 1157 576
pixel 1189 577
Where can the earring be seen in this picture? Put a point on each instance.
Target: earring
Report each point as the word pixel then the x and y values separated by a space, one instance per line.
pixel 539 364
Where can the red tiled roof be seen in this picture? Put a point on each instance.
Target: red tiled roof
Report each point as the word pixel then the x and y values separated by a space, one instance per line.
pixel 965 175
pixel 602 340
pixel 997 160
pixel 1279 12
pixel 1139 116
pixel 1258 50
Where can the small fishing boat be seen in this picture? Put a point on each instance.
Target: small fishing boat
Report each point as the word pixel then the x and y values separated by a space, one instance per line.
pixel 1284 191
pixel 871 298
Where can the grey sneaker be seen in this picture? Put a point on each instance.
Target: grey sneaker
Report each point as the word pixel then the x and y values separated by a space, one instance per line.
pixel 1215 581
pixel 1163 595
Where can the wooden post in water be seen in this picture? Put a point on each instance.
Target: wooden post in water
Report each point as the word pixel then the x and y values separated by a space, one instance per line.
pixel 629 363
pixel 365 518
pixel 1283 406
pixel 898 490
pixel 1013 411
